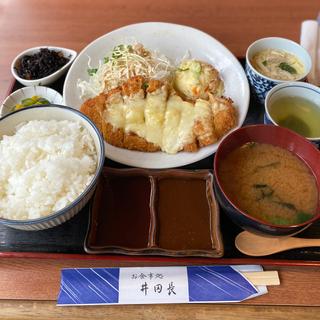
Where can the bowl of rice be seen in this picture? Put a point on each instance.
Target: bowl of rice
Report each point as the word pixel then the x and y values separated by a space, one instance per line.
pixel 50 160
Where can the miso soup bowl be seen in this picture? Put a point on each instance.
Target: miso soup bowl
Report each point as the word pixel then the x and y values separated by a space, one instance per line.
pixel 277 136
pixel 292 89
pixel 261 84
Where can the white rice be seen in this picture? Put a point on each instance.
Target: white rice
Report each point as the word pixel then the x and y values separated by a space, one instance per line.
pixel 44 166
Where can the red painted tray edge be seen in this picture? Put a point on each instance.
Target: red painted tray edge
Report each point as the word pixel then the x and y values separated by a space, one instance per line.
pixel 200 261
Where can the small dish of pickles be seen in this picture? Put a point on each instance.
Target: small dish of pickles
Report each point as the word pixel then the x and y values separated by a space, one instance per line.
pixel 33 101
pixel 30 96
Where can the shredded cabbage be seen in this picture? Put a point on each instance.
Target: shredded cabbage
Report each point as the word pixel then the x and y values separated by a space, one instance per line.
pixel 124 62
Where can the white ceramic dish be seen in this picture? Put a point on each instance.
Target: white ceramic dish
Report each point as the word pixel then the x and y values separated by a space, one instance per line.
pixel 15 97
pixel 174 41
pixel 7 127
pixel 68 53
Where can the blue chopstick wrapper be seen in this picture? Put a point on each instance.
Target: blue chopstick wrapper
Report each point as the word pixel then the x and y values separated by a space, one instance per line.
pixel 146 285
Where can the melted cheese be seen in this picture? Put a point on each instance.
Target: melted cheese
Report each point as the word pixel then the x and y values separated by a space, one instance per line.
pixel 186 135
pixel 178 126
pixel 114 113
pixel 166 122
pixel 202 110
pixel 134 114
pixel 170 142
pixel 203 114
pixel 154 114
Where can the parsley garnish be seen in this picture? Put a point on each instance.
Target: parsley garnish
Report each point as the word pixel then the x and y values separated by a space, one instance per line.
pixel 145 86
pixel 92 71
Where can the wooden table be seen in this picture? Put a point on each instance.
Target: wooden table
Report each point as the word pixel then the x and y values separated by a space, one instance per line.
pixel 28 287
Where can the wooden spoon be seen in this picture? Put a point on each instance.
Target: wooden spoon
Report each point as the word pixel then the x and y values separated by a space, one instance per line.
pixel 254 245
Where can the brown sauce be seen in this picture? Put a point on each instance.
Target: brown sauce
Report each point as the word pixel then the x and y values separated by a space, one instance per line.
pixel 124 215
pixel 183 213
pixel 155 212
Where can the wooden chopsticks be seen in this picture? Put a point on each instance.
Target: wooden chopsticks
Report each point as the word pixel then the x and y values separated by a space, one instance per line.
pixel 266 278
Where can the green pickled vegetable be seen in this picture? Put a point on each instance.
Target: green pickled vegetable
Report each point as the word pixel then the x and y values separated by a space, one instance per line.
pixel 33 101
pixel 29 101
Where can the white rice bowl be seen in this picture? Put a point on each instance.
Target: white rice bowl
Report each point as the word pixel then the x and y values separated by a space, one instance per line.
pixel 50 160
pixel 44 166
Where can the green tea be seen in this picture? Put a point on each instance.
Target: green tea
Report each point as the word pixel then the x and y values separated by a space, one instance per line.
pixel 298 114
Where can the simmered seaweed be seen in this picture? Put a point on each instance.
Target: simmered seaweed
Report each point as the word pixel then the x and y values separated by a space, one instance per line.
pixel 41 64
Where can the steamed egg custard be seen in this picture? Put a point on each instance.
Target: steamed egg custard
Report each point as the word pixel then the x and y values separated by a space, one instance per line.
pixel 178 109
pixel 278 64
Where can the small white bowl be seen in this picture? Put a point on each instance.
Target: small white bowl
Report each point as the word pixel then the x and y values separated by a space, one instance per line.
pixel 261 84
pixel 68 53
pixel 56 112
pixel 292 89
pixel 14 98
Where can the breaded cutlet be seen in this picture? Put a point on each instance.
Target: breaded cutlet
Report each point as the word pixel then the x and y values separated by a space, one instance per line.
pixel 135 116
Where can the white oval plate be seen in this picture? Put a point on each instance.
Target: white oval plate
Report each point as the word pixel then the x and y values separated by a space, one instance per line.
pixel 174 41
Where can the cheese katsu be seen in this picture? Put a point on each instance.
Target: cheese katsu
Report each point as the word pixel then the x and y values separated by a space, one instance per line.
pixel 182 110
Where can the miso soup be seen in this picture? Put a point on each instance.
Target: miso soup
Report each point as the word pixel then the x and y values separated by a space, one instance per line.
pixel 269 183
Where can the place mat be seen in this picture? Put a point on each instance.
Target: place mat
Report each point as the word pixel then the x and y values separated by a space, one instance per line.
pixel 69 237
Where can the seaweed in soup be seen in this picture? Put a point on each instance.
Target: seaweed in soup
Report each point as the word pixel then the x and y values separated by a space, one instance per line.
pixel 270 184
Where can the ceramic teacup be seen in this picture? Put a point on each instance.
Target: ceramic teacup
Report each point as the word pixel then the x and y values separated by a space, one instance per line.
pixel 292 89
pixel 261 84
